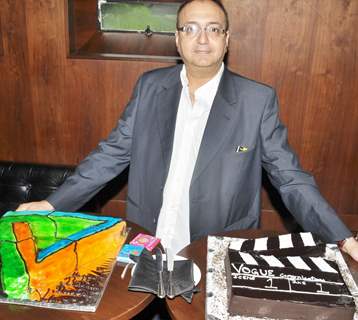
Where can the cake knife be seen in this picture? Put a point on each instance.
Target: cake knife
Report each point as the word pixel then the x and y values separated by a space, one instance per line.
pixel 170 267
pixel 159 263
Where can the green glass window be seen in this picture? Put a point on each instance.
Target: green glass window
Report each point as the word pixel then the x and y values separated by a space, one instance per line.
pixel 137 16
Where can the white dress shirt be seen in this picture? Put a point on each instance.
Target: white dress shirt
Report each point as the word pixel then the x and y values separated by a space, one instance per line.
pixel 173 222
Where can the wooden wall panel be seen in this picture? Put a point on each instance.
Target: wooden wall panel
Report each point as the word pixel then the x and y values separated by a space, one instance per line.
pixel 16 117
pixel 307 50
pixel 55 109
pixel 1 45
pixel 46 65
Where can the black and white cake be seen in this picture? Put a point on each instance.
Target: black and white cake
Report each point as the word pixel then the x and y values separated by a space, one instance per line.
pixel 293 286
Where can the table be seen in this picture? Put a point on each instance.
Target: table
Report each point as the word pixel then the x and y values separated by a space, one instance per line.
pixel 180 310
pixel 117 302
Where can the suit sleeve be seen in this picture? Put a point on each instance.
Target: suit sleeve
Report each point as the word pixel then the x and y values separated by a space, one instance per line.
pixel 108 160
pixel 297 188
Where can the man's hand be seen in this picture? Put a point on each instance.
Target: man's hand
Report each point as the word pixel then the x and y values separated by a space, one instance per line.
pixel 36 206
pixel 350 247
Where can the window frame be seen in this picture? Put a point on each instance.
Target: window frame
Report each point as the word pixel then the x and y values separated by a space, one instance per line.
pixel 86 40
pixel 113 3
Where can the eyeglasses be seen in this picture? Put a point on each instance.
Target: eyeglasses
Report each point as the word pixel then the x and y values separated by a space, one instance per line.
pixel 192 30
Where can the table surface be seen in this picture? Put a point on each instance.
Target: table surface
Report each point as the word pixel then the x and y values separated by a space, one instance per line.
pixel 117 302
pixel 180 310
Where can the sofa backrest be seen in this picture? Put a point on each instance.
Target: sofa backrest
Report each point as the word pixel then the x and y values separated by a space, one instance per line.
pixel 24 182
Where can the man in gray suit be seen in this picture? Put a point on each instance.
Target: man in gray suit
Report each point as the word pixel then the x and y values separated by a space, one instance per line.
pixel 196 137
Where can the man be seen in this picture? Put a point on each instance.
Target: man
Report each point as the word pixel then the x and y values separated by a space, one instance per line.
pixel 195 137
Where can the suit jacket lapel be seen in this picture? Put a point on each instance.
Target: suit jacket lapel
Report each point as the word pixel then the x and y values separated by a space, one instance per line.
pixel 215 132
pixel 167 102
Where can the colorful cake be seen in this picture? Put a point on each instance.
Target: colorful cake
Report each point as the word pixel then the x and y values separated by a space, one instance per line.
pixel 285 287
pixel 57 257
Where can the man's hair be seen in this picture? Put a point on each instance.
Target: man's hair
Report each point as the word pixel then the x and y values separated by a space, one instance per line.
pixel 217 2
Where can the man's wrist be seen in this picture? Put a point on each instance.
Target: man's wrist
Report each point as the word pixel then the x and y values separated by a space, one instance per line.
pixel 341 243
pixel 345 243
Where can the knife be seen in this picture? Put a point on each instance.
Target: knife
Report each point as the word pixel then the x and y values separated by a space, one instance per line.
pixel 159 263
pixel 170 267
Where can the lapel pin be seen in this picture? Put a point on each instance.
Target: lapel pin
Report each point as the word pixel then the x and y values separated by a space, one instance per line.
pixel 241 149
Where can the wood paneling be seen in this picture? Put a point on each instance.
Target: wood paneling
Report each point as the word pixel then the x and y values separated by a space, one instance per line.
pixel 55 109
pixel 1 47
pixel 307 50
pixel 17 137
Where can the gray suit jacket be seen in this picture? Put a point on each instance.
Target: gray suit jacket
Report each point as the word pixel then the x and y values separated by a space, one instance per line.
pixel 226 183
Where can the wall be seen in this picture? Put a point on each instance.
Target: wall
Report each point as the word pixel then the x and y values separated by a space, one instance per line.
pixel 55 109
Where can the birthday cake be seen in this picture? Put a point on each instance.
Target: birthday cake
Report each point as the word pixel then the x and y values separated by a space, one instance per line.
pixel 285 287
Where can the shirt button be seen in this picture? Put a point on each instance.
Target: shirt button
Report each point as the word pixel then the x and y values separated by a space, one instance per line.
pixel 154 220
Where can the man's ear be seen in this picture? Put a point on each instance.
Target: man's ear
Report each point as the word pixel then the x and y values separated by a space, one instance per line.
pixel 227 40
pixel 177 41
pixel 176 37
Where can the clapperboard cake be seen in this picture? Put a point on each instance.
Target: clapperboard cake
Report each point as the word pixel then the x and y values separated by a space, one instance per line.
pixel 280 287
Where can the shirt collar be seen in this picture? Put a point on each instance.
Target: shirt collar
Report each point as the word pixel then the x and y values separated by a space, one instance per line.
pixel 209 88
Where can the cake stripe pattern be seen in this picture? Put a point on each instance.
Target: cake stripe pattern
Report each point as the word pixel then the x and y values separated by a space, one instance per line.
pixel 296 262
pixel 260 244
pixel 307 239
pixel 295 240
pixel 324 264
pixel 286 241
pixel 273 261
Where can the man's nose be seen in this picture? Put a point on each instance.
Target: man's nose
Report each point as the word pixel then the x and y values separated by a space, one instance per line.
pixel 203 37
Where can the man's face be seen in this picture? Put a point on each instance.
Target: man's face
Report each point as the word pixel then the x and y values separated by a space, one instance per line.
pixel 205 50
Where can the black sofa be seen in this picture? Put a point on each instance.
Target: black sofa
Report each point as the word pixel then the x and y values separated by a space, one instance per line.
pixel 24 182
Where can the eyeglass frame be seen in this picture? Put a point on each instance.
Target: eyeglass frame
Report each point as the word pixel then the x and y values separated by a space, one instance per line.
pixel 201 29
